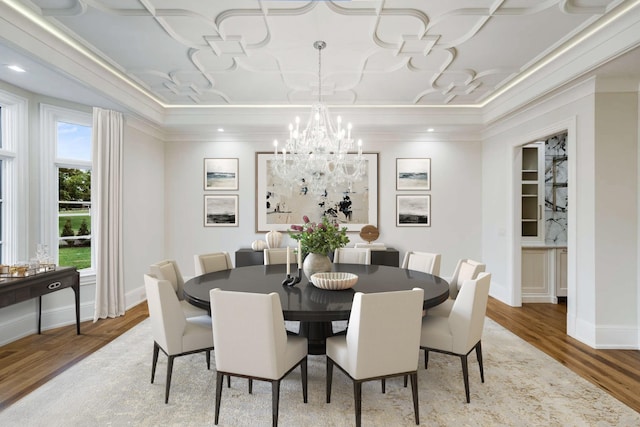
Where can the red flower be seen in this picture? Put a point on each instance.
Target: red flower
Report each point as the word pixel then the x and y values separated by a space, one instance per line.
pixel 305 219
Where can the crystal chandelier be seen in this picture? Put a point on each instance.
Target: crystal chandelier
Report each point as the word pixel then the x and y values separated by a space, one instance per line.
pixel 318 157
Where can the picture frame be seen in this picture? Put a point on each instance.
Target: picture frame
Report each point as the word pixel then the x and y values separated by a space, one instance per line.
pixel 221 210
pixel 413 210
pixel 221 174
pixel 280 205
pixel 413 174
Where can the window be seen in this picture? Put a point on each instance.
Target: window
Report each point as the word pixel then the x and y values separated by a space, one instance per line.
pixel 13 161
pixel 67 135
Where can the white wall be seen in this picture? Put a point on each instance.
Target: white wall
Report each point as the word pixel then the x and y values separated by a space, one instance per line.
pixel 616 212
pixel 455 197
pixel 144 218
pixel 602 168
pixel 143 227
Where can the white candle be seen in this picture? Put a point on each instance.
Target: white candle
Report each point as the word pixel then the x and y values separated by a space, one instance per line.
pixel 288 265
pixel 275 147
pixel 299 254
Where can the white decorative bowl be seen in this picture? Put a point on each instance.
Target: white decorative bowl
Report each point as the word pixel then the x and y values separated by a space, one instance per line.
pixel 334 281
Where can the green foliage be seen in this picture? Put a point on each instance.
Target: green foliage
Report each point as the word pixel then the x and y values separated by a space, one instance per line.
pixel 76 221
pixel 67 230
pixel 84 228
pixel 319 238
pixel 74 185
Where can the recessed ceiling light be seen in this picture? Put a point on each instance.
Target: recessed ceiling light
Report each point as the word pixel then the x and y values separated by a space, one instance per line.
pixel 430 130
pixel 16 68
pixel 220 130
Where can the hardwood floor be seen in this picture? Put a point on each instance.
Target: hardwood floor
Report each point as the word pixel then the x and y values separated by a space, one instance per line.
pixel 544 327
pixel 29 362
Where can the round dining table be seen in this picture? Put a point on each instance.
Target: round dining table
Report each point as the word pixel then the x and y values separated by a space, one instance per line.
pixel 315 308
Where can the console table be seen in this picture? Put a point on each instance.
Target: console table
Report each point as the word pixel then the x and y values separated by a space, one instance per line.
pixel 17 289
pixel 247 256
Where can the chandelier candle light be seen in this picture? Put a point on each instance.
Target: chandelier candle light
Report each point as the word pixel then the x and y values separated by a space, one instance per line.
pixel 318 156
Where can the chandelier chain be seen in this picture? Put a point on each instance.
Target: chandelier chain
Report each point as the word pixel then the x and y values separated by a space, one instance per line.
pixel 319 73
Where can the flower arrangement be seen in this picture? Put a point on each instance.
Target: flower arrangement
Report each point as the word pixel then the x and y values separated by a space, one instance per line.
pixel 319 238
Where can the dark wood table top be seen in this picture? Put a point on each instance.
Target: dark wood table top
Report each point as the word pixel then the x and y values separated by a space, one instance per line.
pixel 304 301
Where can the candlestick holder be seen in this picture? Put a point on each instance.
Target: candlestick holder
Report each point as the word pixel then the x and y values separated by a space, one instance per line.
pixel 292 280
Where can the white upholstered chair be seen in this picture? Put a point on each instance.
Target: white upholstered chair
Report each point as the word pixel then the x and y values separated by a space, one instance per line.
pixel 278 256
pixel 251 342
pixel 168 270
pixel 382 341
pixel 349 256
pixel 172 332
pixel 352 256
pixel 466 269
pixel 422 261
pixel 209 263
pixel 461 332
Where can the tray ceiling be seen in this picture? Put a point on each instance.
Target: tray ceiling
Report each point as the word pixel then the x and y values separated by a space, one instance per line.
pixel 394 52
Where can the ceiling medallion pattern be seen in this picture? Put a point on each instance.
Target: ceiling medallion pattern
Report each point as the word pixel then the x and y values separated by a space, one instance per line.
pixel 404 52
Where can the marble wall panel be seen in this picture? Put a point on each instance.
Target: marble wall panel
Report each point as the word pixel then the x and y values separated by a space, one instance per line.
pixel 556 180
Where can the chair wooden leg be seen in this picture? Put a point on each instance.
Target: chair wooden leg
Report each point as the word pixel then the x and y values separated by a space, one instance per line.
pixel 426 358
pixel 405 381
pixel 275 398
pixel 228 381
pixel 156 350
pixel 219 382
pixel 465 376
pixel 169 371
pixel 479 357
pixel 414 391
pixel 303 371
pixel 329 378
pixel 383 382
pixel 357 398
pixel 250 385
pixel 208 356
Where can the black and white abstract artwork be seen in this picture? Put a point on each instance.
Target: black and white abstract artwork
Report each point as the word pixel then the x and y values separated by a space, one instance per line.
pixel 281 204
pixel 413 210
pixel 413 174
pixel 221 211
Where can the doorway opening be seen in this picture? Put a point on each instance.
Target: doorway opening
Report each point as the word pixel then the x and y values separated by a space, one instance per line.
pixel 544 182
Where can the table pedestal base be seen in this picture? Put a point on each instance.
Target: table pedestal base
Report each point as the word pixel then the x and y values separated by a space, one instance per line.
pixel 316 334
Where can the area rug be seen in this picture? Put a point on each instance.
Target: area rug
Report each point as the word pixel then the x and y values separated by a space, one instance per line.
pixel 524 387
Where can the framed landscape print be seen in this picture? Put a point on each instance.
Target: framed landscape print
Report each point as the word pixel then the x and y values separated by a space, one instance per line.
pixel 220 174
pixel 413 210
pixel 413 174
pixel 280 204
pixel 221 211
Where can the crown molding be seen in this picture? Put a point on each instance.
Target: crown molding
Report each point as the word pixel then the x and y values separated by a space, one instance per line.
pixel 616 35
pixel 30 34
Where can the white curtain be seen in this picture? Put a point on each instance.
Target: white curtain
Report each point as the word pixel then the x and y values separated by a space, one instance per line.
pixel 107 230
